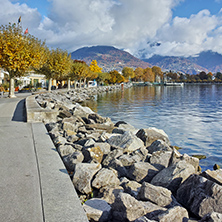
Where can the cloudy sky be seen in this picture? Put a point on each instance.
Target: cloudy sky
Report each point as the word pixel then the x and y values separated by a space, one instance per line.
pixel 142 27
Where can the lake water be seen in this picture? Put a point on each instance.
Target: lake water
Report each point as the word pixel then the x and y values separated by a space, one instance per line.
pixel 190 115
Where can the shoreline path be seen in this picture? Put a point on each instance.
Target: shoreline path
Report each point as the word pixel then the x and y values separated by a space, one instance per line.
pixel 34 184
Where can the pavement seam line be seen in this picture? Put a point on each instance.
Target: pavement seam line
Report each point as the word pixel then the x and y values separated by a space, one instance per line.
pixel 38 169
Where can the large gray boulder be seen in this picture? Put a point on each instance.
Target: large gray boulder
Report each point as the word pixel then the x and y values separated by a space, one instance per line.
pixel 65 150
pixel 215 176
pixel 174 175
pixel 149 135
pixel 161 159
pixel 72 123
pixel 156 194
pixel 142 171
pixel 127 208
pixel 111 156
pixel 175 214
pixel 105 147
pixel 158 145
pixel 83 175
pixel 212 217
pixel 109 194
pixel 144 219
pixel 200 195
pixel 132 187
pixel 128 142
pixel 97 210
pixel 72 159
pixel 105 178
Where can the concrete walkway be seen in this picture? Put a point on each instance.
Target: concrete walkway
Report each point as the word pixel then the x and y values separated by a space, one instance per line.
pixel 34 184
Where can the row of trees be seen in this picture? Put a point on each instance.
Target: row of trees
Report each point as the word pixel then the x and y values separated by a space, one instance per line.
pixel 21 52
pixel 201 77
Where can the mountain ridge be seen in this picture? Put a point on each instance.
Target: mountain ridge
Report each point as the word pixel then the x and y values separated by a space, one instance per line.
pixel 110 58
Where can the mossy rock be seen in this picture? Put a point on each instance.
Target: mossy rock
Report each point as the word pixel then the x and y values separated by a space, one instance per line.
pixel 200 157
pixel 177 147
pixel 216 167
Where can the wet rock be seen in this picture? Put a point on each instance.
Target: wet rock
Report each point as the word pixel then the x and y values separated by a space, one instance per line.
pixel 151 134
pixel 173 176
pixel 142 171
pixel 105 178
pixel 156 194
pixel 216 167
pixel 97 210
pixel 127 208
pixel 200 195
pixel 83 175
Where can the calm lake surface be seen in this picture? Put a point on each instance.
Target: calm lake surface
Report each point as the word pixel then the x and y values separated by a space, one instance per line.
pixel 190 115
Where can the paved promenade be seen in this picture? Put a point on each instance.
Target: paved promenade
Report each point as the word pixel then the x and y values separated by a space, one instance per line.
pixel 34 184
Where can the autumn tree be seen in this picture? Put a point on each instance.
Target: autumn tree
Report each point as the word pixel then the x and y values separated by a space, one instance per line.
pixel 116 77
pixel 57 66
pixel 19 52
pixel 138 74
pixel 103 77
pixel 80 71
pixel 94 67
pixel 157 72
pixel 148 75
pixel 128 72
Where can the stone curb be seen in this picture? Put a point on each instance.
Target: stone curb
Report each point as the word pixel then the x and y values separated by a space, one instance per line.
pixel 60 201
pixel 35 113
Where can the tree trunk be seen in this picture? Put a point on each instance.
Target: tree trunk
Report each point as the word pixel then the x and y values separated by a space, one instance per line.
pixel 69 82
pixel 50 85
pixel 11 88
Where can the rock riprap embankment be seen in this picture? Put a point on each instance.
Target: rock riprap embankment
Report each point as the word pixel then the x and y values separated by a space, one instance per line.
pixel 127 174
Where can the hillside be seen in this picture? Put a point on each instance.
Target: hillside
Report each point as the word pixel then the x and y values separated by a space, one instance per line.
pixel 176 64
pixel 207 61
pixel 108 58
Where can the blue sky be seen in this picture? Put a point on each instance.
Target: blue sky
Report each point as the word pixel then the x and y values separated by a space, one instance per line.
pixel 182 27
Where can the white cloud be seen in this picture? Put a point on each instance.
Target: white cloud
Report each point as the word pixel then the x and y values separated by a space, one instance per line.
pixel 125 24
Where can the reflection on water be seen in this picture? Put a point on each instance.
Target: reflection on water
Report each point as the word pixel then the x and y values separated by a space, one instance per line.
pixel 190 115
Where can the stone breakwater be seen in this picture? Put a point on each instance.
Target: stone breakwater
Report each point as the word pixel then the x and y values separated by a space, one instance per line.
pixel 127 174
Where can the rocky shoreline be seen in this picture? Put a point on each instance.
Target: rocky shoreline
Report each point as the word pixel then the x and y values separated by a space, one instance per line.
pixel 127 174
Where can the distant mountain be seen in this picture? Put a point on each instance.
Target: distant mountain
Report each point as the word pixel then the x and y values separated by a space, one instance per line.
pixel 108 58
pixel 207 61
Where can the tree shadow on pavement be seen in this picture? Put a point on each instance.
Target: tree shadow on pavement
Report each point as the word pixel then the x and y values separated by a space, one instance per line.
pixel 20 112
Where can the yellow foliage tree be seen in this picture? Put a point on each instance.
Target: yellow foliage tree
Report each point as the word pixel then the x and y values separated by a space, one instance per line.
pixel 80 71
pixel 57 66
pixel 138 74
pixel 148 75
pixel 19 52
pixel 94 67
pixel 128 73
